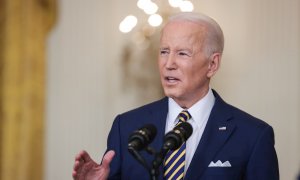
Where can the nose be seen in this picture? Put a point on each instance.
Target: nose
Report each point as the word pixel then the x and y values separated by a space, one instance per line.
pixel 171 62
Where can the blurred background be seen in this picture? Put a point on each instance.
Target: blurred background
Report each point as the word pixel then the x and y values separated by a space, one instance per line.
pixel 67 68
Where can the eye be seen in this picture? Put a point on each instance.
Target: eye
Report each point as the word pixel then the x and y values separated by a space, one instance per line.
pixel 164 52
pixel 183 53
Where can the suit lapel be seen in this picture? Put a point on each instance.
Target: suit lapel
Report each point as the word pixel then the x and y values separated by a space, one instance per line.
pixel 212 139
pixel 158 116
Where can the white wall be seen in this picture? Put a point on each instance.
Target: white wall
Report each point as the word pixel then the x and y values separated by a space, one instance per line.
pixel 79 109
pixel 260 73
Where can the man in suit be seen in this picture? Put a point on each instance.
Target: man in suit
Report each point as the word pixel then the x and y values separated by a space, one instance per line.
pixel 226 143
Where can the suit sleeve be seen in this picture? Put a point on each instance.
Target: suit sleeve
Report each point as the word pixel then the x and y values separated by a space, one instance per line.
pixel 263 163
pixel 114 143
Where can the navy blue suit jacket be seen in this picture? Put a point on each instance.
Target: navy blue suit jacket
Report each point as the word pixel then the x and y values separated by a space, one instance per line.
pixel 247 143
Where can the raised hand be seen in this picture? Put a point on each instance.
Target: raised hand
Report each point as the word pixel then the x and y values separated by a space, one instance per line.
pixel 87 169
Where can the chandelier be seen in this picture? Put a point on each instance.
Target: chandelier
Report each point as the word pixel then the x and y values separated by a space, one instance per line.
pixel 155 12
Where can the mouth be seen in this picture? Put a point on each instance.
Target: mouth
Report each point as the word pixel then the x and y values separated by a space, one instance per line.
pixel 171 80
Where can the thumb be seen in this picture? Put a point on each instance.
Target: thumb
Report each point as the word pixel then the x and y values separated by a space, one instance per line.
pixel 108 157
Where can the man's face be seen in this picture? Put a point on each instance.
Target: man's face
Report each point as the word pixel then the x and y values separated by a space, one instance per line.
pixel 183 66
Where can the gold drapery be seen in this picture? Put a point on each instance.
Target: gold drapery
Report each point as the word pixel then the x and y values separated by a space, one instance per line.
pixel 24 25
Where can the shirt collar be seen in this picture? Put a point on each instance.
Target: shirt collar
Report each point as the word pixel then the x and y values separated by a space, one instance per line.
pixel 200 110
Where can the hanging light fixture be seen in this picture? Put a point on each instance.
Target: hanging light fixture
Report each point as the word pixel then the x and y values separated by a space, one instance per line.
pixel 155 20
pixel 186 6
pixel 128 24
pixel 151 9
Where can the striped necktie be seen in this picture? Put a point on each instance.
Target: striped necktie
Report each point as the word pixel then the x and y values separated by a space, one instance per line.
pixel 175 160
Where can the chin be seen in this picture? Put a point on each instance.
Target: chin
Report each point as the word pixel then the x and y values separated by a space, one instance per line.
pixel 167 92
pixel 170 93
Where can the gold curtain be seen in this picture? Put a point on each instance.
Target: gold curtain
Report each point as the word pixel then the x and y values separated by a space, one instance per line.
pixel 24 26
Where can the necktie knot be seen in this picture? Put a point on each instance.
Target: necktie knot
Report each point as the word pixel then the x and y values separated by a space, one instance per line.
pixel 184 116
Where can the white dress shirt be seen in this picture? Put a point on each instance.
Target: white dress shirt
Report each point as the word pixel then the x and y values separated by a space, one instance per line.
pixel 200 112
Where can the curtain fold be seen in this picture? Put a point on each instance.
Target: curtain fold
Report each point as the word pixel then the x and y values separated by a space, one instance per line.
pixel 24 26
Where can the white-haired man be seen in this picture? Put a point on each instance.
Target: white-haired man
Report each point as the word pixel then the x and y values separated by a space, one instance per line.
pixel 226 142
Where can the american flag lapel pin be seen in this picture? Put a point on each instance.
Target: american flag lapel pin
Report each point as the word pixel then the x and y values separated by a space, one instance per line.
pixel 223 128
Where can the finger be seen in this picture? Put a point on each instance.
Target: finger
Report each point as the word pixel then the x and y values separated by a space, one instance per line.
pixel 80 160
pixel 85 156
pixel 78 165
pixel 74 174
pixel 81 155
pixel 108 158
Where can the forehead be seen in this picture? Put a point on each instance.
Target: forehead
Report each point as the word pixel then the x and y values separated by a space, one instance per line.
pixel 183 33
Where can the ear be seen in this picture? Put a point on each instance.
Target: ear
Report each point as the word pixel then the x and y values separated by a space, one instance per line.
pixel 214 64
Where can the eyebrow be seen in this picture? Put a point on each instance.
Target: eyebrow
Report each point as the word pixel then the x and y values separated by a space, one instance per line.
pixel 164 48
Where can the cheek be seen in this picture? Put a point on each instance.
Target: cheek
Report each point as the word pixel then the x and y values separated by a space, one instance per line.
pixel 196 70
pixel 160 63
pixel 198 75
pixel 160 66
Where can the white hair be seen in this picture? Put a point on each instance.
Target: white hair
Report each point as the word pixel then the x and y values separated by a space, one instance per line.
pixel 214 38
